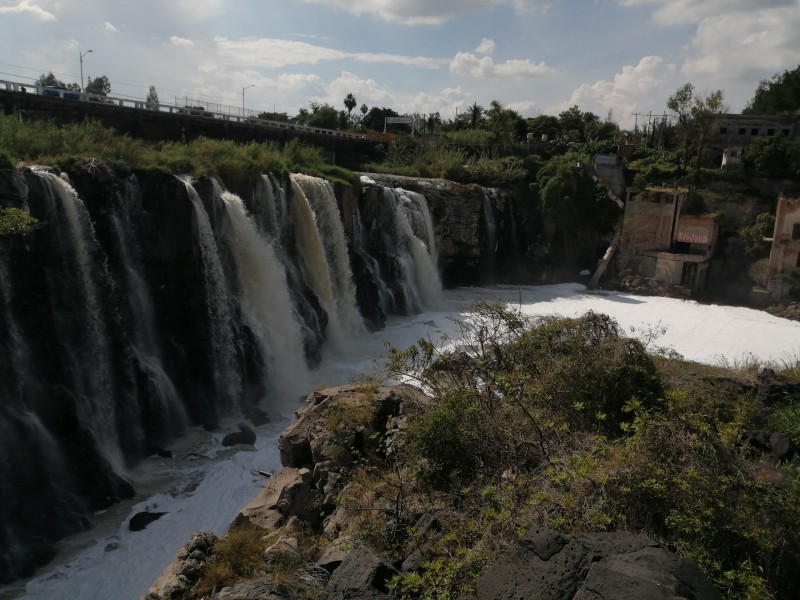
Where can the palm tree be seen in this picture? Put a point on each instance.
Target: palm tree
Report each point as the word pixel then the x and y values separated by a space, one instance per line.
pixel 475 113
pixel 350 103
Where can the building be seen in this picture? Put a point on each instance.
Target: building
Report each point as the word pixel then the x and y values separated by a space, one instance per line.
pixel 661 242
pixel 784 257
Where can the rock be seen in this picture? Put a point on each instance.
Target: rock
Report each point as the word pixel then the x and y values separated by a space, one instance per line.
pixel 245 436
pixel 183 572
pixel 548 565
pixel 782 446
pixel 142 519
pixel 334 554
pixel 758 440
pixel 362 574
pixel 260 589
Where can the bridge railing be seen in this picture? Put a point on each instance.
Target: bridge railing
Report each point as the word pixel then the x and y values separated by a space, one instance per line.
pixel 53 92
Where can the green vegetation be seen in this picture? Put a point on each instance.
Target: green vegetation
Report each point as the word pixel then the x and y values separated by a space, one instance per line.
pixel 779 95
pixel 14 221
pixel 42 142
pixel 569 424
pixel 241 554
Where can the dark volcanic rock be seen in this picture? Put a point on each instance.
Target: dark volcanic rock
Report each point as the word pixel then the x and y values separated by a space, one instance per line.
pixel 362 574
pixel 141 520
pixel 245 435
pixel 548 565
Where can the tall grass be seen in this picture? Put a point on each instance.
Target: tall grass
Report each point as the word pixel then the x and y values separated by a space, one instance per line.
pixel 45 142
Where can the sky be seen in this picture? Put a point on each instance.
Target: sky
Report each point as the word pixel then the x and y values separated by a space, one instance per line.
pixel 414 56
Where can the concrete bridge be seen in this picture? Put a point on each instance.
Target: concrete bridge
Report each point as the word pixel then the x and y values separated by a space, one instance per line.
pixel 157 122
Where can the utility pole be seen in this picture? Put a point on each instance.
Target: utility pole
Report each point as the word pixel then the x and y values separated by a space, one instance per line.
pixel 81 55
pixel 243 89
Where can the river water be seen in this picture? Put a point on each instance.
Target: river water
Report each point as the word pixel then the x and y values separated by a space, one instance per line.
pixel 204 485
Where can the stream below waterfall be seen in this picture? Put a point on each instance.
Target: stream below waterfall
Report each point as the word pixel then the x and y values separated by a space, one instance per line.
pixel 205 485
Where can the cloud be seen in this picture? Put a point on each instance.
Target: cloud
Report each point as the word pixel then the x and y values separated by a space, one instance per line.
pixel 485 47
pixel 744 46
pixel 636 88
pixel 26 6
pixel 366 91
pixel 485 67
pixel 109 27
pixel 180 42
pixel 277 53
pixel 675 12
pixel 425 12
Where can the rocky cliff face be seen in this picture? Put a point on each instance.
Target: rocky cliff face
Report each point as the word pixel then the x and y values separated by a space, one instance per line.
pixel 475 227
pixel 305 522
pixel 144 304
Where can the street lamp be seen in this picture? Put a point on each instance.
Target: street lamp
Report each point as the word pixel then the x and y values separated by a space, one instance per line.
pixel 82 54
pixel 243 89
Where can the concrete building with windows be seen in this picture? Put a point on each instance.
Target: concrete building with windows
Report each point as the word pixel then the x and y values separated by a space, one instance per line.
pixel 784 256
pixel 658 240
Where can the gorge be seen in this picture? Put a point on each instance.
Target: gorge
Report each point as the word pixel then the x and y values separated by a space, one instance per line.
pixel 146 304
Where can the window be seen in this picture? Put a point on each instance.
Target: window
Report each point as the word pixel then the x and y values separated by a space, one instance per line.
pixel 723 130
pixel 796 231
pixel 742 131
pixel 754 131
pixel 770 132
pixel 785 132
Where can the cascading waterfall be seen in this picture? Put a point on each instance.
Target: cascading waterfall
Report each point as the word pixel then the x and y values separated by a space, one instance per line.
pixel 386 299
pixel 17 372
pixel 96 384
pixel 166 410
pixel 321 245
pixel 266 302
pixel 226 378
pixel 139 310
pixel 416 255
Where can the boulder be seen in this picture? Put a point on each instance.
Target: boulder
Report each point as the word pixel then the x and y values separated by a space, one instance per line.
pixel 245 436
pixel 549 565
pixel 260 589
pixel 184 571
pixel 362 574
pixel 142 519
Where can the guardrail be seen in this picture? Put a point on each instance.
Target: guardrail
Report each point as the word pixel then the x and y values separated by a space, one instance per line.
pixel 52 92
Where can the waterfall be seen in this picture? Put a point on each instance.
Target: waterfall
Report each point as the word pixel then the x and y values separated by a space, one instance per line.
pixel 95 384
pixel 266 301
pixel 226 377
pixel 491 226
pixel 386 299
pixel 415 254
pixel 16 375
pixel 323 250
pixel 166 411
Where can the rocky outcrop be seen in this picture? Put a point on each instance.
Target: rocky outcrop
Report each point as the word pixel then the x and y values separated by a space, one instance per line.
pixel 185 570
pixel 648 286
pixel 320 450
pixel 548 565
pixel 475 227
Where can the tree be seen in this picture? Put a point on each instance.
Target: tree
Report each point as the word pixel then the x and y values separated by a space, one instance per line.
pixel 318 115
pixel 544 125
pixel 274 116
pixel 50 80
pixel 364 109
pixel 504 123
pixel 779 95
pixel 349 103
pixel 374 119
pixel 696 116
pixel 475 115
pixel 151 101
pixel 99 86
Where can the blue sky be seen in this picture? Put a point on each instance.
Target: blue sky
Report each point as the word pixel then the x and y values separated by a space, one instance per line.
pixel 536 56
